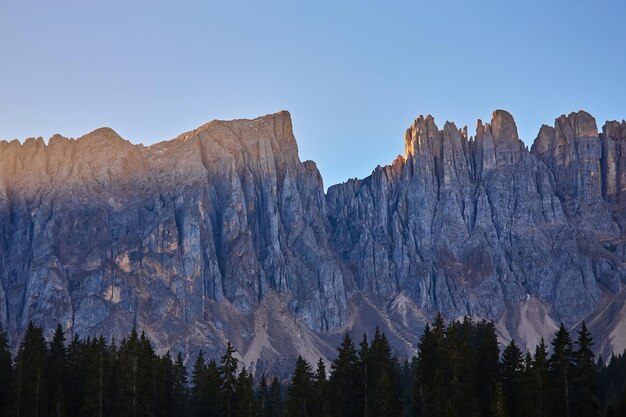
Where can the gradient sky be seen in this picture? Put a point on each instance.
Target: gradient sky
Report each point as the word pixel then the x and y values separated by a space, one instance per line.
pixel 353 74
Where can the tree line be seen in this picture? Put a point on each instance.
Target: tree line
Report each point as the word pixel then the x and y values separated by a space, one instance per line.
pixel 459 371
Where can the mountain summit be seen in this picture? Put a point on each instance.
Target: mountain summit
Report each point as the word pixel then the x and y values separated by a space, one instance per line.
pixel 224 234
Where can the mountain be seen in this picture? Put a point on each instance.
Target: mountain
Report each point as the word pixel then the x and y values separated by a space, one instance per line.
pixel 224 234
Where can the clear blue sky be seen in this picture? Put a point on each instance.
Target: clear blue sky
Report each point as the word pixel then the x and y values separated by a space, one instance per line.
pixel 353 74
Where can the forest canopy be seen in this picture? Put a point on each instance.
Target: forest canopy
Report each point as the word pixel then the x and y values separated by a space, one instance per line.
pixel 460 370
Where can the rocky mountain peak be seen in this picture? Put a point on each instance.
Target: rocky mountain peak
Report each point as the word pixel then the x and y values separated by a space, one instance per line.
pixel 614 129
pixel 57 139
pixel 232 134
pixel 576 125
pixel 102 133
pixel 451 129
pixel 503 127
pixel 417 136
pixel 224 234
pixel 544 140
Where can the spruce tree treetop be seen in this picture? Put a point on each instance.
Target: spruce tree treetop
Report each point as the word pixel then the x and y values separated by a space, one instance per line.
pixel 584 379
pixel 299 391
pixel 320 372
pixel 560 367
pixel 228 374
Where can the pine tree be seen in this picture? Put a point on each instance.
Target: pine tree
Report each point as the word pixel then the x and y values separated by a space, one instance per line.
pixel 452 384
pixel 540 381
pixel 433 371
pixel 214 393
pixel 206 397
pixel 299 391
pixel 245 404
pixel 274 400
pixel 6 373
pixel 30 374
pixel 407 388
pixel 441 385
pixel 613 382
pixel 56 371
pixel 262 397
pixel 382 379
pixel 137 362
pixel 423 374
pixel 75 377
pixel 487 365
pixel 164 383
pixel 512 369
pixel 179 388
pixel 199 387
pixel 584 379
pixel 526 393
pixel 560 366
pixel 149 362
pixel 362 377
pixel 228 375
pixel 319 408
pixel 344 401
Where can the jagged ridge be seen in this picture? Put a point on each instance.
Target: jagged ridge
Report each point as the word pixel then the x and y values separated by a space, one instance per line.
pixel 223 233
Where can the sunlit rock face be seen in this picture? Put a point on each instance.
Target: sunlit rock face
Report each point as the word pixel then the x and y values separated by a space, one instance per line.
pixel 103 236
pixel 224 234
pixel 489 227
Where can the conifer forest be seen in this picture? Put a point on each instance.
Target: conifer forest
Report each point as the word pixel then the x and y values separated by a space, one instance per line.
pixel 460 370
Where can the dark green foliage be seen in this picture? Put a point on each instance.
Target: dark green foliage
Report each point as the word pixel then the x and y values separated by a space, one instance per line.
pixel 163 387
pixel 537 399
pixel 206 388
pixel 526 392
pixel 136 380
pixel 621 409
pixel 584 379
pixel 560 365
pixel 512 370
pixel 407 387
pixel 320 406
pixel 199 387
pixel 486 369
pixel 179 388
pixel 300 391
pixel 228 375
pixel 612 383
pixel 30 385
pixel 6 373
pixel 458 372
pixel 214 390
pixel 498 402
pixel 97 380
pixel 344 381
pixel 382 379
pixel 57 385
pixel 262 397
pixel 245 403
pixel 432 371
pixel 274 402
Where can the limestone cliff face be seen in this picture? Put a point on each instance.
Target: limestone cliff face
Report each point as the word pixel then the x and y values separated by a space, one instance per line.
pixel 102 235
pixel 486 225
pixel 224 234
pixel 613 168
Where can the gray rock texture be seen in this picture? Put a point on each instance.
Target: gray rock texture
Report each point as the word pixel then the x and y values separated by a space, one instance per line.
pixel 224 234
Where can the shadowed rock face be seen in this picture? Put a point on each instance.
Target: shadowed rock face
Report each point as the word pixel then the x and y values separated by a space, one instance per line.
pixel 224 234
pixel 102 235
